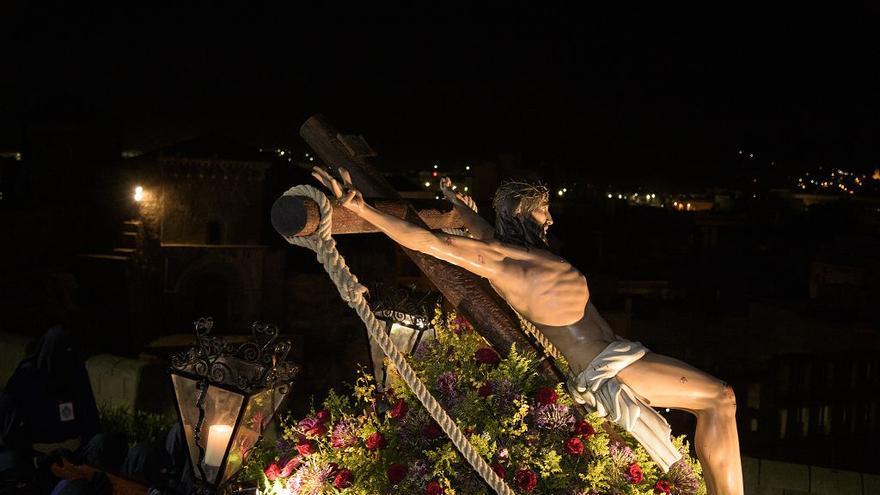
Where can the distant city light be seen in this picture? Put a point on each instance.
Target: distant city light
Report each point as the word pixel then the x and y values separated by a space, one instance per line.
pixel 467 167
pixel 465 188
pixel 435 166
pixel 620 196
pixel 559 192
pixel 610 195
pixel 434 174
pixel 564 190
pixel 427 184
pixel 454 187
pixel 281 152
pixel 138 193
pixel 311 158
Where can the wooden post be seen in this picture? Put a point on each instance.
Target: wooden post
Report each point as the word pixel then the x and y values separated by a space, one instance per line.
pixel 470 295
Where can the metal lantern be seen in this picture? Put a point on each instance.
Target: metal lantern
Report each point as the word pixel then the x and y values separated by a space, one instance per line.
pixel 226 396
pixel 408 315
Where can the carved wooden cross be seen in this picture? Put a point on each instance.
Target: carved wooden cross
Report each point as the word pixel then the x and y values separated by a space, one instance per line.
pixel 470 295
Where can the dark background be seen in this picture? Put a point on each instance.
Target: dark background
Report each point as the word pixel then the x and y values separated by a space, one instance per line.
pixel 664 94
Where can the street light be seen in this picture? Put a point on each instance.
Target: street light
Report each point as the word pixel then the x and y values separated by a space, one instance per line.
pixel 407 315
pixel 226 396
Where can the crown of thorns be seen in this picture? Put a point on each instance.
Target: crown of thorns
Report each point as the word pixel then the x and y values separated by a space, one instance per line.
pixel 526 195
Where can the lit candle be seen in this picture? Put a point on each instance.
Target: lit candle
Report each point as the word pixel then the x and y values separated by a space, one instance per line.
pixel 218 439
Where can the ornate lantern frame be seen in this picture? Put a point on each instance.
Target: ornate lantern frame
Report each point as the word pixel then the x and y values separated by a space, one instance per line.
pixel 236 389
pixel 401 307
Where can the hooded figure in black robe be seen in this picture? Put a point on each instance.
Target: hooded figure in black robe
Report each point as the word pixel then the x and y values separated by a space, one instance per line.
pixel 52 390
pixel 16 461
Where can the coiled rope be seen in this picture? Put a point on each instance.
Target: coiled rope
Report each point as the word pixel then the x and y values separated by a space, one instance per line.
pixel 352 292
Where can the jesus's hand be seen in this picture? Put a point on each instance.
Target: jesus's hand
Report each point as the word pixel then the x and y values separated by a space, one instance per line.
pixel 346 195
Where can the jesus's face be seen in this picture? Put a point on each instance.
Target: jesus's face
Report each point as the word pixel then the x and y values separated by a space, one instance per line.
pixel 542 218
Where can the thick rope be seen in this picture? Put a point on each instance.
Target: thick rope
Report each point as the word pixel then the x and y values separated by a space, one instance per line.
pixel 352 292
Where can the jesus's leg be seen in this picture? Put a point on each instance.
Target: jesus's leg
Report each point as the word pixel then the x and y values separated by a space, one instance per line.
pixel 668 382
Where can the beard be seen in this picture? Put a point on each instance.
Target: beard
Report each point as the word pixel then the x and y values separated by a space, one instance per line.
pixel 535 234
pixel 522 231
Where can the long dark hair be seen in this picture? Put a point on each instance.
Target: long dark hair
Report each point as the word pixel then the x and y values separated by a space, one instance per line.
pixel 513 203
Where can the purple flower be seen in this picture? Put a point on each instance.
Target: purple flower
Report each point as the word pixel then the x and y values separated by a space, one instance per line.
pixel 504 394
pixel 682 478
pixel 309 480
pixel 621 455
pixel 344 434
pixel 553 417
pixel 447 385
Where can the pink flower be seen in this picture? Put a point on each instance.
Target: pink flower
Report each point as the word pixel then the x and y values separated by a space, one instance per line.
pixel 546 396
pixel 396 473
pixel 312 427
pixel 343 479
pixel 375 441
pixel 306 447
pixel 487 355
pixel 290 466
pixel 272 472
pixel 574 446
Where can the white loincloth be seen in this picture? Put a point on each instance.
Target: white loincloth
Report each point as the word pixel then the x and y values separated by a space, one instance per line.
pixel 598 388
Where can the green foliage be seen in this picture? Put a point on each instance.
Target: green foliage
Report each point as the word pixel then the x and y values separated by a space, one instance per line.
pixel 497 407
pixel 137 426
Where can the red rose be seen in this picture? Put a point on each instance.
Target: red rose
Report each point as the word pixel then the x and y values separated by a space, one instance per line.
pixel 662 486
pixel 290 466
pixel 399 409
pixel 634 473
pixel 431 430
pixel 487 355
pixel 584 429
pixel 322 416
pixel 272 472
pixel 574 446
pixel 305 448
pixel 343 479
pixel 526 480
pixel 434 488
pixel 375 441
pixel 396 473
pixel 546 396
pixel 499 470
pixel 485 390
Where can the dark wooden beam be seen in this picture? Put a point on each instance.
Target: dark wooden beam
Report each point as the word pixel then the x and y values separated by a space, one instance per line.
pixel 296 216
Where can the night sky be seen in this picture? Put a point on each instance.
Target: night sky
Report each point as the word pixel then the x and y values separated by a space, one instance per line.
pixel 660 95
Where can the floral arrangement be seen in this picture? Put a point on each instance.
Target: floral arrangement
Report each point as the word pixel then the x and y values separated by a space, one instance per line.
pixel 385 442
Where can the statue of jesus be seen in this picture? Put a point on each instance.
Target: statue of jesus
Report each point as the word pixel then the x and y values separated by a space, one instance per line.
pixel 616 377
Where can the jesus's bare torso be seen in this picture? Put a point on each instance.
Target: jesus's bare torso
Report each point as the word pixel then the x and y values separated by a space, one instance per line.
pixel 552 294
